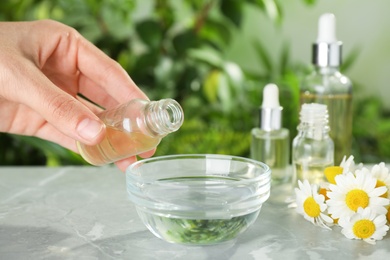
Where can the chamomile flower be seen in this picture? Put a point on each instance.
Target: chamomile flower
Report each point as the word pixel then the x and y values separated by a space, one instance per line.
pixel 346 165
pixel 365 224
pixel 349 165
pixel 353 191
pixel 311 205
pixel 381 173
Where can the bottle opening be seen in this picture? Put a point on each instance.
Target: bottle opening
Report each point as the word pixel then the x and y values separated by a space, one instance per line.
pixel 172 114
pixel 165 116
pixel 314 113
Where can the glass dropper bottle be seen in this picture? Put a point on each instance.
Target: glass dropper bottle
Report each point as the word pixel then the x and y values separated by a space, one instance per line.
pixel 327 85
pixel 270 142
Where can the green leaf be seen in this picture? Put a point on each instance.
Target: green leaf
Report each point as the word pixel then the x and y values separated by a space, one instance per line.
pixel 232 10
pixel 145 64
pixel 225 93
pixel 184 41
pixel 14 151
pixel 350 59
pixel 216 32
pixel 284 58
pixel 210 86
pixel 273 10
pixel 208 56
pixel 51 148
pixel 43 10
pixel 165 13
pixel 150 33
pixel 164 70
pixel 310 2
pixel 264 58
pixel 124 59
pixel 28 150
pixel 234 75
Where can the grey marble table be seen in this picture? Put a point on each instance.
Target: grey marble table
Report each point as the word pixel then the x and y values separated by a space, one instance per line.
pixel 83 213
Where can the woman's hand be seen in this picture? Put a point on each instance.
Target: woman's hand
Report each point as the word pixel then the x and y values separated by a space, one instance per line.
pixel 44 65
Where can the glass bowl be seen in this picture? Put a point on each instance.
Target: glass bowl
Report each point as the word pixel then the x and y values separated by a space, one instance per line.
pixel 199 199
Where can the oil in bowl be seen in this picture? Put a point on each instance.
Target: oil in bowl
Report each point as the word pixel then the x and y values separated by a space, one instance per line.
pixel 198 199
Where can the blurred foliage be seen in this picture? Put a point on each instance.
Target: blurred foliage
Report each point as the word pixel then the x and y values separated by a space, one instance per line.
pixel 178 49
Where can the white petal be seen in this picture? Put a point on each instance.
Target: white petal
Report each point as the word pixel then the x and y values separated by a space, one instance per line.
pixel 307 217
pixel 341 180
pixel 380 233
pixel 306 188
pixel 344 222
pixel 378 191
pixel 348 233
pixel 300 185
pixel 380 220
pixel 326 218
pixel 314 189
pixel 370 241
pixel 321 223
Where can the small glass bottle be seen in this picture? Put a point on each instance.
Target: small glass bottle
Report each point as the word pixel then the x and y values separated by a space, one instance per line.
pixel 133 128
pixel 313 149
pixel 270 142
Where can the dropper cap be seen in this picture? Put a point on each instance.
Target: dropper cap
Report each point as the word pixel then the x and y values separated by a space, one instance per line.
pixel 327 49
pixel 271 111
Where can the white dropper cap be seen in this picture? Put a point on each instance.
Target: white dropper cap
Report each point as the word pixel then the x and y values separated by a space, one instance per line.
pixel 327 28
pixel 270 96
pixel 327 49
pixel 271 111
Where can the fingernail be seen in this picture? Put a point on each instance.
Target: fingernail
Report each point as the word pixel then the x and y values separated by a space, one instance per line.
pixel 89 129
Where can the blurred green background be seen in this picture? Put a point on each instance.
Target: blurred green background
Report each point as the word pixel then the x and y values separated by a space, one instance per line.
pixel 182 49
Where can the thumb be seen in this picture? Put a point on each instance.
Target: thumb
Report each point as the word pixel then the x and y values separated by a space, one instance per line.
pixel 70 116
pixel 90 131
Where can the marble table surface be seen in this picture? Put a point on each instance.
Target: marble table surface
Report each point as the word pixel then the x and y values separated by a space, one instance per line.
pixel 83 213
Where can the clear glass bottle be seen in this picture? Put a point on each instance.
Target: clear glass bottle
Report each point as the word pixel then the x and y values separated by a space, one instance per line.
pixel 270 142
pixel 313 149
pixel 326 85
pixel 133 128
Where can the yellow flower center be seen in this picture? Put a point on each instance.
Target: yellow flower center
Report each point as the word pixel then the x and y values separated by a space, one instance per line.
pixel 388 215
pixel 363 228
pixel 380 183
pixel 331 173
pixel 357 198
pixel 324 192
pixel 311 207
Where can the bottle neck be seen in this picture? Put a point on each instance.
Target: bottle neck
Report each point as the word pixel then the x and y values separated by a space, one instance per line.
pixel 163 117
pixel 313 131
pixel 327 70
pixel 314 121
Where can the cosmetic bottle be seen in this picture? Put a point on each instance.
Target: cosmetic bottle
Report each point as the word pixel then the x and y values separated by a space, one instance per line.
pixel 326 85
pixel 270 142
pixel 133 128
pixel 312 148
